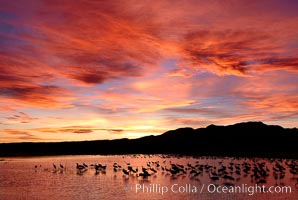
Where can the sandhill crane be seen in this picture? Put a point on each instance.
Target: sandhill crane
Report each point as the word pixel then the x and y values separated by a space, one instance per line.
pixel 85 165
pixel 80 167
pixel 153 170
pixel 145 174
pixel 214 177
pixel 125 171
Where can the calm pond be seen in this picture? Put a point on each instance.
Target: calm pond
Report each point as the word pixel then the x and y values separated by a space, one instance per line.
pixel 147 177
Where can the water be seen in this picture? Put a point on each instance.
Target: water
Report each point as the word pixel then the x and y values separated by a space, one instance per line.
pixel 35 178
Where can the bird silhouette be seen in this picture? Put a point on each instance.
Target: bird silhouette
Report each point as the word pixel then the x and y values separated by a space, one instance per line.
pixel 125 171
pixel 80 167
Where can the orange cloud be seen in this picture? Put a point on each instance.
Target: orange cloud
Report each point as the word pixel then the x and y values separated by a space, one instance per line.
pixel 126 65
pixel 234 52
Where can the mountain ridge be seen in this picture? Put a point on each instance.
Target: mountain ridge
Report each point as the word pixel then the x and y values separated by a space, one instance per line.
pixel 241 139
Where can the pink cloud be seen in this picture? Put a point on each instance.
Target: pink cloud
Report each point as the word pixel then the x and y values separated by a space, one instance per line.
pixel 219 60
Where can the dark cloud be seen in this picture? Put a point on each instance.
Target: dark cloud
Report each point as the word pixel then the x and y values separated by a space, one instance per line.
pixel 290 63
pixel 98 43
pixel 21 117
pixel 101 72
pixel 231 52
pixel 17 132
pixel 80 130
pixel 36 95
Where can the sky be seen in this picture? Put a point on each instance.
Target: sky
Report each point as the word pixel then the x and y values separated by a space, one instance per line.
pixel 90 70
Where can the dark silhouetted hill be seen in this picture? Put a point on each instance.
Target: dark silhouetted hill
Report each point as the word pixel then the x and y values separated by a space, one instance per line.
pixel 242 139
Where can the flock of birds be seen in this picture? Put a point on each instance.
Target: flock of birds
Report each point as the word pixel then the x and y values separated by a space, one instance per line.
pixel 228 172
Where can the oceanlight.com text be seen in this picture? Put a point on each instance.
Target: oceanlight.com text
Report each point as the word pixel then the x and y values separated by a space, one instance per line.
pixel 210 188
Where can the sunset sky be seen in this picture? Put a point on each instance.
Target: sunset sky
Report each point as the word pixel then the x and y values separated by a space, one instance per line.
pixel 88 70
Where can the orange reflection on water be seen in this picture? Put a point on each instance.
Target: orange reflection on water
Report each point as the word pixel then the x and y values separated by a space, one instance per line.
pixel 145 177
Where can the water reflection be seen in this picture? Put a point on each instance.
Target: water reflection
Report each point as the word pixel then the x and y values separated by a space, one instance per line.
pixel 145 177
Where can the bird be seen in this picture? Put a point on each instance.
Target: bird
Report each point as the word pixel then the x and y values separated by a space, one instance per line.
pixel 85 165
pixel 104 167
pixel 130 169
pixel 153 170
pixel 227 177
pixel 144 170
pixel 125 171
pixel 174 172
pixel 145 174
pixel 80 167
pixel 127 163
pixel 281 176
pixel 214 177
pixel 263 181
pixel 96 167
pixel 195 173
